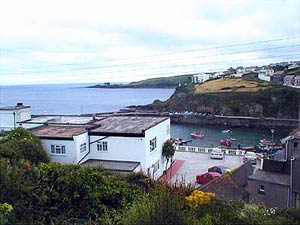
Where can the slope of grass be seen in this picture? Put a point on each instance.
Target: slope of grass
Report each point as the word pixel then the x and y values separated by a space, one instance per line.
pixel 230 85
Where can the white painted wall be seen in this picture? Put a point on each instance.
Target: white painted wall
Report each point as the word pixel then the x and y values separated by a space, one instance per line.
pixel 23 114
pixel 135 148
pixel 69 157
pixel 9 119
pixel 162 133
pixel 120 149
pixel 78 140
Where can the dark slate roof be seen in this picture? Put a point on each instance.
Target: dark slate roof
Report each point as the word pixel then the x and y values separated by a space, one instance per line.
pixel 231 186
pixel 271 177
pixel 125 125
pixel 125 166
pixel 58 132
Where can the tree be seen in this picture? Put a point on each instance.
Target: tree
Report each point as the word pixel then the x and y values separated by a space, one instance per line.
pixel 168 150
pixel 21 144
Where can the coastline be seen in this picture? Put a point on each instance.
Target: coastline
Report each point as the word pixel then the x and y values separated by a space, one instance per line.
pixel 230 121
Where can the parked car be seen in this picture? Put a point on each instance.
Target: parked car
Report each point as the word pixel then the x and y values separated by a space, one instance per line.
pixel 207 177
pixel 250 156
pixel 219 169
pixel 217 153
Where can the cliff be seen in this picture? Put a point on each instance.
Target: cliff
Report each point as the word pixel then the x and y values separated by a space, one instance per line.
pixel 233 96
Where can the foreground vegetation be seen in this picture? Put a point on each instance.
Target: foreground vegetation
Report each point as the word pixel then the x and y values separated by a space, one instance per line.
pixel 233 96
pixel 35 192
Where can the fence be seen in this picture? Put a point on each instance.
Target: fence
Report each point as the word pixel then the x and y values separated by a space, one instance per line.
pixel 208 150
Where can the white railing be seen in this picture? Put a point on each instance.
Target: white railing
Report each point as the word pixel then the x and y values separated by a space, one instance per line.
pixel 208 150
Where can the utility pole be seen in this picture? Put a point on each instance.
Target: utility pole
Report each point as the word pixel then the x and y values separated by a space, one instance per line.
pixel 299 116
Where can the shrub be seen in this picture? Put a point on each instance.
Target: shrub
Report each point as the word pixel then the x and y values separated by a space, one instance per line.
pixel 198 198
pixel 21 144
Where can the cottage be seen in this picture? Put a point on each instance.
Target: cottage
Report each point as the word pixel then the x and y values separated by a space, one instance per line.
pixel 269 188
pixel 12 116
pixel 277 78
pixel 202 77
pixel 288 80
pixel 121 143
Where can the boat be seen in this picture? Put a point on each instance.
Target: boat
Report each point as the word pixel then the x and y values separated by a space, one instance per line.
pixel 226 142
pixel 228 131
pixel 232 139
pixel 186 141
pixel 195 135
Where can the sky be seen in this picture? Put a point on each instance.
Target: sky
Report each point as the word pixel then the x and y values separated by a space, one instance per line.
pixel 93 41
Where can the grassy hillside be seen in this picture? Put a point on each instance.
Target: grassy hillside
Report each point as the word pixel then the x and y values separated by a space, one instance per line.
pixel 162 82
pixel 235 97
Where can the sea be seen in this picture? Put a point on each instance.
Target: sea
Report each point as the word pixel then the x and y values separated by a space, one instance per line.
pixel 76 99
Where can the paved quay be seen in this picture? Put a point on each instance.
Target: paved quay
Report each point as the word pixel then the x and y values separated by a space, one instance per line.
pixel 198 163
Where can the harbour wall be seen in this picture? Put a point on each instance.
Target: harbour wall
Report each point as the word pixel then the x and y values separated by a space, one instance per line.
pixel 235 121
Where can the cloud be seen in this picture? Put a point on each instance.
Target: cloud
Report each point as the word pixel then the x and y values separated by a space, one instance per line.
pixel 96 38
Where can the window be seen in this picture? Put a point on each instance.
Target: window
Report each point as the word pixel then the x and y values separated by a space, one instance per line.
pixel 156 167
pixel 83 148
pixel 152 144
pixel 261 189
pixel 102 146
pixel 58 149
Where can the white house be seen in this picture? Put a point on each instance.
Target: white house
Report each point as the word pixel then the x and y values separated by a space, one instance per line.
pixel 122 143
pixel 12 116
pixel 201 77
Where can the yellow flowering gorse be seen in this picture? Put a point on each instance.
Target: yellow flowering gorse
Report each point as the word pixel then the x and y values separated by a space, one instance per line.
pixel 198 198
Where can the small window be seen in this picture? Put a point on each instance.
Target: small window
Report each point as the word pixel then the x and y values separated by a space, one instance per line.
pixel 152 144
pixel 156 167
pixel 58 149
pixel 261 189
pixel 83 148
pixel 102 146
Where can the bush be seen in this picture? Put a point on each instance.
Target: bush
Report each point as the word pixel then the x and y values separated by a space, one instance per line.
pixel 54 193
pixel 20 144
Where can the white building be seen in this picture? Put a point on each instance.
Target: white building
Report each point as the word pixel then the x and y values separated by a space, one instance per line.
pixel 201 77
pixel 12 116
pixel 122 143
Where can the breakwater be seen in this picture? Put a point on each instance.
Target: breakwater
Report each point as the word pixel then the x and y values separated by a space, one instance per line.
pixel 234 121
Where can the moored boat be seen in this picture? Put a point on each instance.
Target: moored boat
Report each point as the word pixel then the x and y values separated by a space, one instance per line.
pixel 228 131
pixel 226 142
pixel 195 135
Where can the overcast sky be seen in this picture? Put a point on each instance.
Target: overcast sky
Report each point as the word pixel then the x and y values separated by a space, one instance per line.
pixel 62 41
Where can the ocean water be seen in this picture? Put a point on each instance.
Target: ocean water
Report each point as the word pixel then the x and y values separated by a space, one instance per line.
pixel 76 99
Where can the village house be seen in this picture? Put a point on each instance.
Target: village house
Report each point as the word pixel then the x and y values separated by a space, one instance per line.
pixel 277 183
pixel 278 77
pixel 201 77
pixel 116 142
pixel 12 116
pixel 288 80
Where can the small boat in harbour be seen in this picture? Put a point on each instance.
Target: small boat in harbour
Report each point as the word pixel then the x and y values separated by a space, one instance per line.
pixel 195 135
pixel 226 143
pixel 228 131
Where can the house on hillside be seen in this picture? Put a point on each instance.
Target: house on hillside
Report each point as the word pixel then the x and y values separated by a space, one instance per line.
pixel 277 184
pixel 278 78
pixel 201 77
pixel 120 143
pixel 12 116
pixel 270 186
pixel 296 81
pixel 251 75
pixel 288 80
